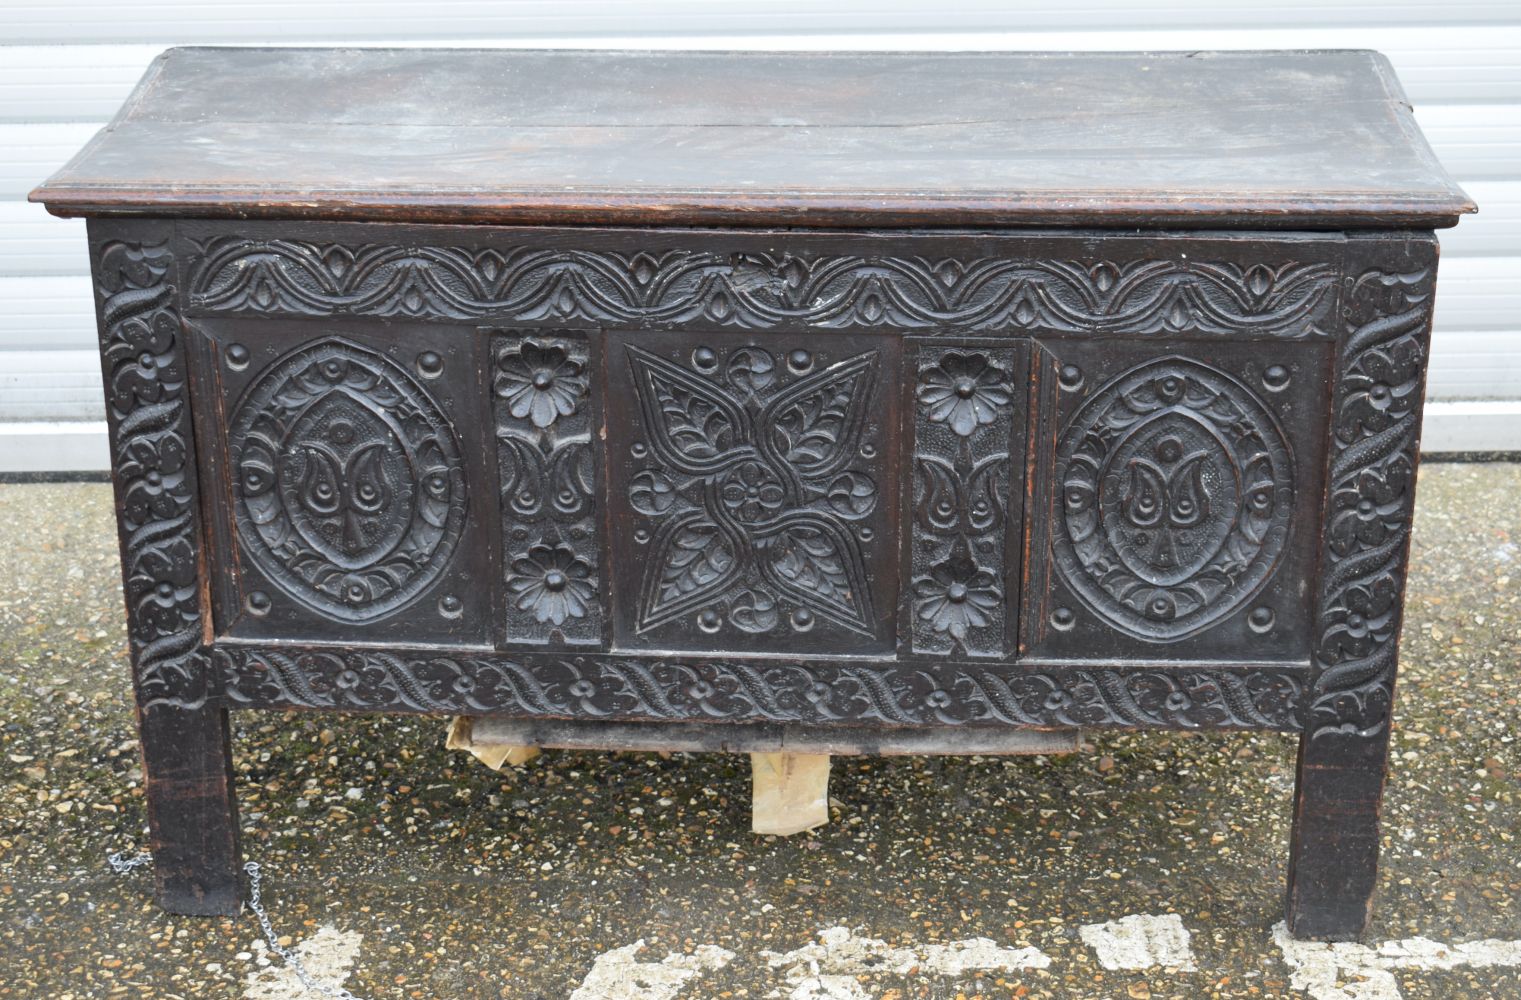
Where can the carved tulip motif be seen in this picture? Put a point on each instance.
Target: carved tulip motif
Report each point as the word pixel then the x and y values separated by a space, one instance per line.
pixel 1170 497
pixel 1176 496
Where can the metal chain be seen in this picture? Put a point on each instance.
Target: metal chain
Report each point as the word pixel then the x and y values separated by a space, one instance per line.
pixel 122 865
pixel 291 960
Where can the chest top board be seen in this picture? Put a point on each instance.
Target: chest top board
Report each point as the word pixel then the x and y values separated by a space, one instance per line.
pixel 1205 139
pixel 753 400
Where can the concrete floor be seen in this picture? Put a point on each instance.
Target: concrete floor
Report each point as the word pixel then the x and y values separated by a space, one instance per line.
pixel 411 871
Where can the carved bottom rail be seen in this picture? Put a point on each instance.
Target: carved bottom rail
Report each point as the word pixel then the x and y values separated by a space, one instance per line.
pixel 671 690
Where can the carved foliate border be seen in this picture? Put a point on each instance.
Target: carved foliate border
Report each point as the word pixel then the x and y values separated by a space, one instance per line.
pixel 142 347
pixel 1375 434
pixel 668 288
pixel 662 690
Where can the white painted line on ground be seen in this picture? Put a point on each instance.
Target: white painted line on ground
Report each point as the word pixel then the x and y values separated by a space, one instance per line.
pixel 1141 941
pixel 1358 972
pixel 827 969
pixel 328 956
pixel 616 975
pixel 833 967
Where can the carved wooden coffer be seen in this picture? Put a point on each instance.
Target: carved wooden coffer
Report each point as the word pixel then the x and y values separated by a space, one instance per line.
pixel 794 397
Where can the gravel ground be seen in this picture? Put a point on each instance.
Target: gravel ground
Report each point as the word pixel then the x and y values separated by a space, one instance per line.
pixel 455 882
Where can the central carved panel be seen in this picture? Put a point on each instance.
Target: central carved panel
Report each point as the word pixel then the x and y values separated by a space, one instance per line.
pixel 757 491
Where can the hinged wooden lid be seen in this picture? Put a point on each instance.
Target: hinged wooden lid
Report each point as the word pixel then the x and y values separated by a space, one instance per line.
pixel 1208 140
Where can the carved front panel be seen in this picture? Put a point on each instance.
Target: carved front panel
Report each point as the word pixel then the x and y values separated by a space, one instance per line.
pixel 1179 504
pixel 354 494
pixel 753 491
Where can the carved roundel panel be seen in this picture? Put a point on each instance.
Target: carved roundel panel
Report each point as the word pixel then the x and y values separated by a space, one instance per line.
pixel 348 482
pixel 1176 496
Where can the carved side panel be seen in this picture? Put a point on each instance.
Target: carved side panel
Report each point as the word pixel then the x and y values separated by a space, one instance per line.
pixel 351 497
pixel 541 395
pixel 754 492
pixel 966 468
pixel 1177 490
pixel 1181 495
pixel 1374 444
pixel 348 483
pixel 153 458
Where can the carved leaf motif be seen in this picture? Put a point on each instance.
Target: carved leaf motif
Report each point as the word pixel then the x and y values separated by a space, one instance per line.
pixel 939 505
pixel 693 424
pixel 572 477
pixel 522 474
pixel 694 562
pixel 986 493
pixel 814 425
pixel 321 485
pixel 819 564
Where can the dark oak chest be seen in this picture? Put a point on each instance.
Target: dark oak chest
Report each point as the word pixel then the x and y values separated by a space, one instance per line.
pixel 940 394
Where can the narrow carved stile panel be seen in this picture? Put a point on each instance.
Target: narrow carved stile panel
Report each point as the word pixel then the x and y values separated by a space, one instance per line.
pixel 1374 448
pixel 963 471
pixel 541 395
pixel 754 484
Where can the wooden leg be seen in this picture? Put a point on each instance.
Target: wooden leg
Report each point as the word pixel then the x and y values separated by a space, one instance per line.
pixel 790 793
pixel 1333 857
pixel 192 815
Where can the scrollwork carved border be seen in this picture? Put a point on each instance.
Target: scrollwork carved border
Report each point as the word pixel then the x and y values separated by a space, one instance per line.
pixel 671 690
pixel 667 288
pixel 143 359
pixel 1375 434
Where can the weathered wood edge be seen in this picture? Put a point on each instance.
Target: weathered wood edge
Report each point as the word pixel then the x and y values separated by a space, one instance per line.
pixel 1107 209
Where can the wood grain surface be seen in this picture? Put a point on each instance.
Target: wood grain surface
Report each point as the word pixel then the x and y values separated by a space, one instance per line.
pixel 1238 139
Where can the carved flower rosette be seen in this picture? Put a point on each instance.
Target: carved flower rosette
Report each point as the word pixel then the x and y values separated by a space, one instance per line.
pixel 1176 497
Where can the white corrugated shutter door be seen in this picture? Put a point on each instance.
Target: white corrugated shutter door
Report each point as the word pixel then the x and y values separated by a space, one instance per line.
pixel 66 65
